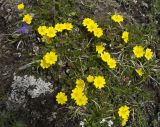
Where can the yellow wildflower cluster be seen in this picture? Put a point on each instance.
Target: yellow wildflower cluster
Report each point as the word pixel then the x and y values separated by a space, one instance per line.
pixel 111 62
pixel 50 32
pixel 47 33
pixel 125 37
pixel 105 56
pixel 65 26
pixel 49 59
pixel 98 81
pixel 61 98
pixel 139 52
pixel 92 27
pixel 117 18
pixel 20 6
pixel 78 93
pixel 123 113
pixel 27 18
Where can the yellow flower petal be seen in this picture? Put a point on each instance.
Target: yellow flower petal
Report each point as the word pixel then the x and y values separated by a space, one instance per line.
pixel 20 6
pixel 139 72
pixel 138 51
pixel 90 78
pixel 148 54
pixel 27 18
pixel 61 98
pixel 99 82
pixel 117 18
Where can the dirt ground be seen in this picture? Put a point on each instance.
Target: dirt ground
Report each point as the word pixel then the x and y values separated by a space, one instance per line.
pixel 8 53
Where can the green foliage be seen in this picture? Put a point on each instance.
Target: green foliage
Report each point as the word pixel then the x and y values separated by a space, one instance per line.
pixel 7 119
pixel 78 59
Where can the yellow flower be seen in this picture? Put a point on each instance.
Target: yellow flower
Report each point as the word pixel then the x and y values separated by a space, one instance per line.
pixel 90 78
pixel 76 92
pixel 50 58
pixel 100 48
pixel 125 36
pixel 59 27
pixel 139 72
pixel 68 26
pixel 44 65
pixel 99 82
pixel 124 121
pixel 61 98
pixel 138 51
pixel 51 32
pixel 80 83
pixel 92 27
pixel 124 112
pixel 20 6
pixel 98 32
pixel 79 97
pixel 87 21
pixel 105 56
pixel 27 18
pixel 148 54
pixel 117 18
pixel 42 30
pixel 81 100
pixel 112 63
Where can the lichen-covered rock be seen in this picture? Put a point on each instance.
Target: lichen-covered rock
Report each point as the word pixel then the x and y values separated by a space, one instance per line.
pixel 28 86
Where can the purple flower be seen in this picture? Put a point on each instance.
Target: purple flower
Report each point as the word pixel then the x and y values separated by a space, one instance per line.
pixel 24 28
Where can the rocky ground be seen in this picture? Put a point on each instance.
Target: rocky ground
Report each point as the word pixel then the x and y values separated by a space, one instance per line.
pixel 14 54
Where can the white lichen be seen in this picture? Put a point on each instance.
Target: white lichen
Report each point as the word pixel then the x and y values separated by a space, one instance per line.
pixel 103 121
pixel 81 123
pixel 110 123
pixel 28 86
